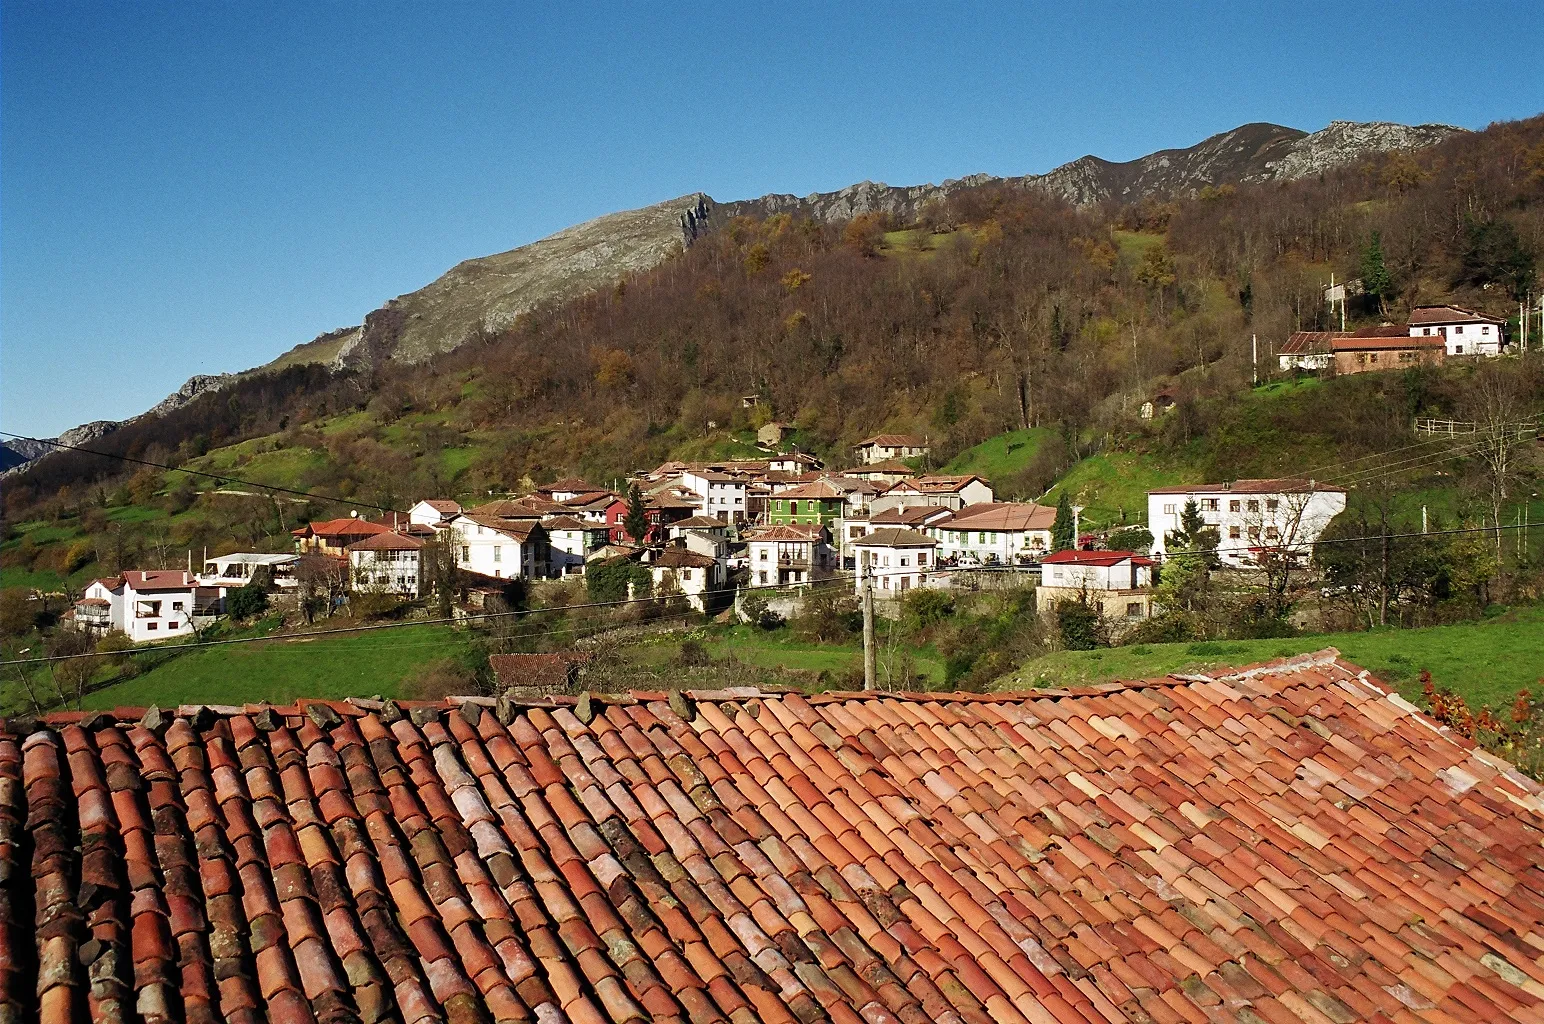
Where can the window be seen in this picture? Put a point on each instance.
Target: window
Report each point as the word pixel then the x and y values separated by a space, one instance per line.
pixel 980 538
pixel 1484 330
pixel 686 575
pixel 176 606
pixel 1271 504
pixel 764 555
pixel 1209 504
pixel 169 625
pixel 921 558
pixel 466 553
pixel 1271 533
pixel 498 552
pixel 1233 533
pixel 1254 506
pixel 1428 332
pixel 1362 358
pixel 1234 506
pixel 1133 609
pixel 1459 329
pixel 763 574
pixel 905 561
pixel 1168 510
pixel 1458 350
pixel 151 625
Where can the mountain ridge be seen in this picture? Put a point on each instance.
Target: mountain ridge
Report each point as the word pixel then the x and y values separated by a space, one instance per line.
pixel 485 294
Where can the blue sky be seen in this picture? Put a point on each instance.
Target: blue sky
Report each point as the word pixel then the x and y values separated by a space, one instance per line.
pixel 194 188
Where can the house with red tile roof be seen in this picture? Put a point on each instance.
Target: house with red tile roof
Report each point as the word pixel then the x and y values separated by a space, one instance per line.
pixel 149 606
pixel 333 536
pixel 500 547
pixel 792 553
pixel 1116 583
pixel 702 579
pixel 388 563
pixel 1286 843
pixel 1464 332
pixel 897 560
pixel 953 492
pixel 433 512
pixel 996 533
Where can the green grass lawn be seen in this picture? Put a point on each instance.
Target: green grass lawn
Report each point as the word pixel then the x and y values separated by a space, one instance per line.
pixel 1113 483
pixel 1487 661
pixel 282 669
pixel 998 458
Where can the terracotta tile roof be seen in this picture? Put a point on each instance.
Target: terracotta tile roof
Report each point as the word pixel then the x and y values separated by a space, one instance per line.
pixel 681 558
pixel 821 489
pixel 519 529
pixel 159 579
pixel 1382 342
pixel 569 483
pixel 1451 315
pixel 1002 516
pixel 887 466
pixel 910 515
pixel 523 672
pixel 444 506
pixel 1282 844
pixel 1101 558
pixel 789 531
pixel 1284 485
pixel 347 527
pixel 570 523
pixel 895 537
pixel 893 441
pixel 699 522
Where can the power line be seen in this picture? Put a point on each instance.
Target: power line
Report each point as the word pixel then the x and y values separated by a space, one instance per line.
pixel 198 472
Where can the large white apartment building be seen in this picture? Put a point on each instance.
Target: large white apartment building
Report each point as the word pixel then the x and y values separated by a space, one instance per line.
pixel 1251 516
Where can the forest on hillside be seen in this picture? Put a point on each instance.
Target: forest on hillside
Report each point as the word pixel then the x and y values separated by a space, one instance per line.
pixel 999 309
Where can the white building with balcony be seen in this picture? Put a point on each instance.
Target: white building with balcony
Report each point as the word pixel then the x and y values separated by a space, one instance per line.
pixel 149 606
pixel 898 560
pixel 795 553
pixel 391 563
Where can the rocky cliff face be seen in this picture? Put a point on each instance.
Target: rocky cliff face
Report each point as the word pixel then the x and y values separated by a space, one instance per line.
pixel 488 293
pixel 16 453
pixel 1345 141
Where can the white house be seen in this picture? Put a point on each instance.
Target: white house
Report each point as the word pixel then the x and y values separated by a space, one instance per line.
pixel 1118 583
pixel 898 559
pixel 954 492
pixel 148 606
pixel 433 512
pixel 695 575
pixel 722 495
pixel 567 489
pixel 1251 516
pixel 573 540
pixel 996 533
pixel 793 462
pixel 796 553
pixel 236 569
pixel 1466 332
pixel 389 563
pixel 889 446
pixel 501 548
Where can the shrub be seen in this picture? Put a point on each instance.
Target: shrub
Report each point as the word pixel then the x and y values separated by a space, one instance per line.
pixel 1081 627
pixel 693 655
pixel 246 602
pixel 926 606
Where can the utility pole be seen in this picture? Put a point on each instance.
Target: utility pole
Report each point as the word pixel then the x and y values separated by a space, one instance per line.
pixel 1423 520
pixel 870 655
pixel 1254 348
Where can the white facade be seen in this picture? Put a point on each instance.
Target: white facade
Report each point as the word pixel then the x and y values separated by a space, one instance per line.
pixel 693 573
pixel 1104 574
pixel 779 555
pixel 889 446
pixel 1117 583
pixel 990 545
pixel 722 495
pixel 433 512
pixel 1464 339
pixel 571 541
pixel 509 551
pixel 1249 515
pixel 389 571
pixel 898 560
pixel 150 606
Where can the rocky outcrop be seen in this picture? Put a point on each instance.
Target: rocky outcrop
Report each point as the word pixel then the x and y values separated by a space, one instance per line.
pixel 1344 142
pixel 489 293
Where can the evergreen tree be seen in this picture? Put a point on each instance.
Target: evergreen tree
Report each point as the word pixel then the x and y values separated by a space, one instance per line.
pixel 1376 280
pixel 636 521
pixel 1064 530
pixel 1191 555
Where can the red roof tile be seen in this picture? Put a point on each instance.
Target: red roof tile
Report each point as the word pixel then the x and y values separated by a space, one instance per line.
pixel 1283 843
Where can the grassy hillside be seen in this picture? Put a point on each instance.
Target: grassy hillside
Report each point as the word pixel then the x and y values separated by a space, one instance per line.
pixel 280 670
pixel 998 458
pixel 1487 661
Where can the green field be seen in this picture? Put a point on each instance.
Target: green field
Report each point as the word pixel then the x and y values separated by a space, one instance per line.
pixel 1112 484
pixel 282 669
pixel 998 458
pixel 1487 661
pixel 781 649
